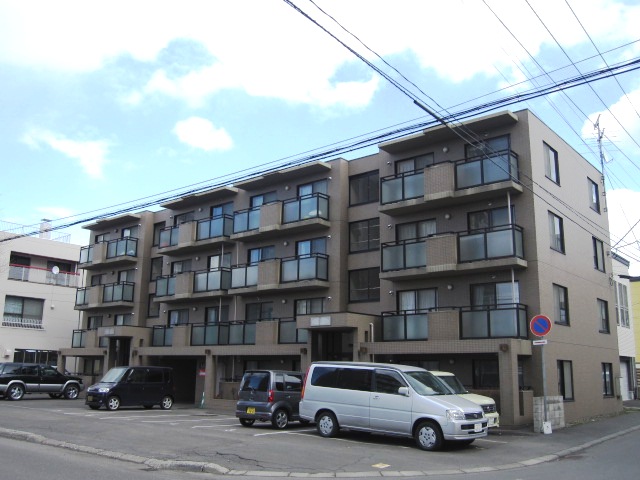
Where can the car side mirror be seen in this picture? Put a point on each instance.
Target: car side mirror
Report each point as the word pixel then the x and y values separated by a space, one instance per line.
pixel 403 391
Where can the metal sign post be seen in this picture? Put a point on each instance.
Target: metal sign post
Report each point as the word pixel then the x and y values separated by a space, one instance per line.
pixel 540 325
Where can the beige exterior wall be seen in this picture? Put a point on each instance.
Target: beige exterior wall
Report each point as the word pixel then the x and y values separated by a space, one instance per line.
pixel 354 330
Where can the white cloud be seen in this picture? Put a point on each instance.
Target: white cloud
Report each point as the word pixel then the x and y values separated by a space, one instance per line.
pixel 200 133
pixel 623 222
pixel 90 154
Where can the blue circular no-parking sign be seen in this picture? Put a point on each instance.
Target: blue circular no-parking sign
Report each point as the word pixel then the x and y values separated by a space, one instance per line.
pixel 540 325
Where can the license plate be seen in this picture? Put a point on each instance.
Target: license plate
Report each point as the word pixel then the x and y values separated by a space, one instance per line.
pixel 251 410
pixel 89 398
pixel 477 428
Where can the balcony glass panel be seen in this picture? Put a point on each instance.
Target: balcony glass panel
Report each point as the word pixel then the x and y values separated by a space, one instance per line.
pixel 474 324
pixel 169 237
pixel 391 190
pixel 289 270
pixel 472 247
pixel 245 220
pixel 393 328
pixel 415 254
pixel 86 254
pixel 221 226
pixel 402 187
pixel 211 280
pixel 78 340
pixel 503 323
pixel 500 243
pixel 417 326
pixel 165 286
pixel 307 267
pixel 405 326
pixel 468 174
pixel 162 336
pixel 122 247
pixel 118 292
pixel 497 321
pixel 504 241
pixel 496 168
pixel 404 255
pixel 82 296
pixel 244 276
pixel 392 257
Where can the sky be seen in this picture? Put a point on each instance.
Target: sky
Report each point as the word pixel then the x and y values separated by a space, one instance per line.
pixel 108 105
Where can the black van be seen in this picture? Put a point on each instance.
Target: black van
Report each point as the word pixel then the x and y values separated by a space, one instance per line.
pixel 133 386
pixel 269 395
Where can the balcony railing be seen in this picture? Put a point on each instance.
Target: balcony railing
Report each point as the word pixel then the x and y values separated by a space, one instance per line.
pixel 244 276
pixel 496 242
pixel 245 220
pixel 289 333
pixel 402 186
pixel 211 280
pixel 43 275
pixel 166 286
pixel 169 237
pixel 86 254
pixel 162 336
pixel 315 205
pixel 228 333
pixel 404 254
pixel 405 325
pixel 304 267
pixel 497 167
pixel 79 339
pixel 219 226
pixel 22 321
pixel 82 296
pixel 122 247
pixel 118 292
pixel 507 320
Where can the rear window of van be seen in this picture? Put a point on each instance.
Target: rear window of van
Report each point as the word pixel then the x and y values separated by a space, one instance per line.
pixel 343 378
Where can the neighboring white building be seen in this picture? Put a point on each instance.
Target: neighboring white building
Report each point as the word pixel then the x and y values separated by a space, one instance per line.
pixel 624 321
pixel 38 282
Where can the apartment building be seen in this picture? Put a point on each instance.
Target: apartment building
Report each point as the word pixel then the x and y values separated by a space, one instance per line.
pixel 435 251
pixel 38 282
pixel 625 327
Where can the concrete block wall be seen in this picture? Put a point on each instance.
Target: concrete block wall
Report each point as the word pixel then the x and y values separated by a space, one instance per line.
pixel 555 412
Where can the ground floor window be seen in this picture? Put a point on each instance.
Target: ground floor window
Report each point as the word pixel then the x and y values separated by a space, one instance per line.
pixel 607 379
pixel 565 379
pixel 50 357
pixel 485 374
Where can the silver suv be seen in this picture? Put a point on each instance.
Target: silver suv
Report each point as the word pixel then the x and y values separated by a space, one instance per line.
pixel 269 395
pixel 16 379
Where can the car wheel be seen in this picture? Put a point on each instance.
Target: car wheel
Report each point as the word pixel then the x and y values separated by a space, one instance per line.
pixel 15 392
pixel 113 403
pixel 327 424
pixel 94 407
pixel 148 406
pixel 280 419
pixel 428 436
pixel 55 395
pixel 247 422
pixel 71 392
pixel 166 403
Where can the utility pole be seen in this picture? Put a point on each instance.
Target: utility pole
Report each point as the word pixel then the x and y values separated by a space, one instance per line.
pixel 602 161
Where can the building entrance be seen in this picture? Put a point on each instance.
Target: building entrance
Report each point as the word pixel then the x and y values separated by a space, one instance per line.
pixel 334 345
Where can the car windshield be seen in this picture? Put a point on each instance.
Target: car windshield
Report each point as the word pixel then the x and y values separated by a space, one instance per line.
pixel 114 375
pixel 426 383
pixel 453 383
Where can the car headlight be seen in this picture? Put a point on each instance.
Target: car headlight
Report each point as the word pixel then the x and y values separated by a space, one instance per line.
pixel 103 389
pixel 455 415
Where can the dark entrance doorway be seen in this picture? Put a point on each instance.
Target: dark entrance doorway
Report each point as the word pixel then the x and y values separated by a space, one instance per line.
pixel 335 345
pixel 119 351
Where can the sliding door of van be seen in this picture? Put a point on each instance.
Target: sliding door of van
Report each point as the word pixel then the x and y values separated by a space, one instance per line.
pixel 389 411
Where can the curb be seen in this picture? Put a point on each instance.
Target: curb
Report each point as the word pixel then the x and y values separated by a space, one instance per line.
pixel 208 467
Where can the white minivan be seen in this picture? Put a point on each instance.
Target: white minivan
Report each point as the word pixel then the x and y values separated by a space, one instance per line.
pixel 389 399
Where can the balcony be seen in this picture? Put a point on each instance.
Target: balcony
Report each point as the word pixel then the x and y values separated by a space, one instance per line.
pixel 449 183
pixel 162 336
pixel 193 285
pixel 42 275
pixel 288 332
pixel 405 326
pixel 229 333
pixel 497 248
pixel 113 295
pixel 303 272
pixel 494 321
pixel 119 252
pixel 195 236
pixel 305 213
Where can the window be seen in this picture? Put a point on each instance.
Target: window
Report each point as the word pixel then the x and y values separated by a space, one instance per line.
pixel 126 275
pixel 622 304
pixel 308 247
pixel 388 381
pixel 260 254
pixel 415 163
pixel 489 218
pixel 96 280
pixel 94 322
pixel 157 228
pixel 263 198
pixel 319 186
pixel 259 311
pixel 551 167
pixel 565 379
pixel 598 254
pixel 218 314
pixel 417 300
pixel 219 261
pixel 607 379
pixel 415 230
pixel 309 305
pixel 102 237
pixel 23 312
pixel 603 313
pixel 178 317
pixel 560 305
pixel 485 374
pixel 123 319
pixel 594 195
pixel 343 378
pixel 487 148
pixel 556 233
pixel 153 307
pixel 222 209
pixel 180 267
pixel 183 218
pixel 364 235
pixel 156 268
pixel 92 366
pixel 364 188
pixel 49 357
pixel 129 232
pixel 364 285
pixel 491 294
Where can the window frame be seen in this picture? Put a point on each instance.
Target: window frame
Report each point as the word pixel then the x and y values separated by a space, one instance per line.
pixel 598 254
pixel 372 291
pixel 557 307
pixel 608 388
pixel 564 382
pixel 371 190
pixel 551 164
pixel 554 235
pixel 370 224
pixel 603 312
pixel 594 195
